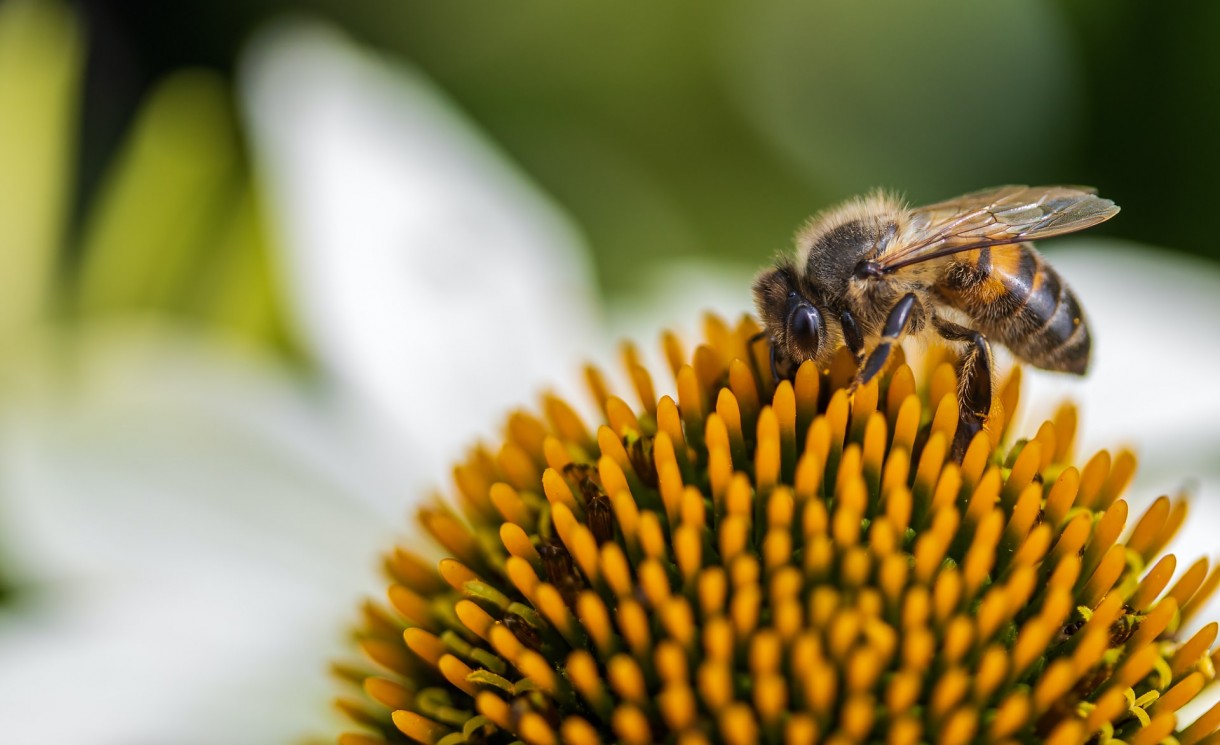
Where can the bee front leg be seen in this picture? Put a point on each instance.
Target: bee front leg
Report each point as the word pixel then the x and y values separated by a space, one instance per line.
pixel 772 353
pixel 777 359
pixel 852 335
pixel 974 382
pixel 896 324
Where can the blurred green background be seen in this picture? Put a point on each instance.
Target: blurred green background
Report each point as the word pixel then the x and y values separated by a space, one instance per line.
pixel 714 128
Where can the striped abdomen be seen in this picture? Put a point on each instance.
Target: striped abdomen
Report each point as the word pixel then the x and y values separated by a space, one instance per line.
pixel 1016 298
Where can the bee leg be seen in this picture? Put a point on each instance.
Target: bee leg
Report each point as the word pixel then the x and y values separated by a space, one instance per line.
pixel 974 382
pixel 852 335
pixel 771 347
pixel 774 356
pixel 895 326
pixel 974 369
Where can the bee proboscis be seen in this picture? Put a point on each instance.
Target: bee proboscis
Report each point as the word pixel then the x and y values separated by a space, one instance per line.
pixel 873 270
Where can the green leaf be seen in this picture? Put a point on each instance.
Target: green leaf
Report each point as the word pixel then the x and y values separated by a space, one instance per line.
pixel 176 228
pixel 240 290
pixel 159 210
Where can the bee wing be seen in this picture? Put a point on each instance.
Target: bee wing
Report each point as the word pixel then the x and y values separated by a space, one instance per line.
pixel 995 217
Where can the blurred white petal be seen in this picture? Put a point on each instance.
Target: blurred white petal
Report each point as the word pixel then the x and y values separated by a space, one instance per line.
pixel 197 523
pixel 197 530
pixel 1151 385
pixel 1155 356
pixel 676 293
pixel 432 279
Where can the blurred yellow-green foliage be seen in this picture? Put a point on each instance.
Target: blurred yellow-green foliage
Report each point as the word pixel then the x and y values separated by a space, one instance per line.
pixel 714 128
pixel 168 224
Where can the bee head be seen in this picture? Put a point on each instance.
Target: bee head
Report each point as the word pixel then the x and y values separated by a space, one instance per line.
pixel 790 315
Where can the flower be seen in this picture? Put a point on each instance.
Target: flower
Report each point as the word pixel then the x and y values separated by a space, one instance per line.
pixel 185 515
pixel 787 562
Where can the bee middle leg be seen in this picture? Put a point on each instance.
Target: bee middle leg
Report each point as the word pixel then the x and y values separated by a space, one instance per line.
pixel 897 323
pixel 974 381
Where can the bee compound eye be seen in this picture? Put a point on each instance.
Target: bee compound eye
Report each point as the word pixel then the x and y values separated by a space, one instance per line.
pixel 804 323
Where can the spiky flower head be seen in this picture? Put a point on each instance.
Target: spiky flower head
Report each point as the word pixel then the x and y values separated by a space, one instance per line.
pixel 791 562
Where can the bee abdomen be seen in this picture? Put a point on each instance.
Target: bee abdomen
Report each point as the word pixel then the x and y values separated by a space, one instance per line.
pixel 1016 298
pixel 1056 334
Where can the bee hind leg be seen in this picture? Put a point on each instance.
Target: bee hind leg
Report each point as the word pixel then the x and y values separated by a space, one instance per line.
pixel 896 324
pixel 974 382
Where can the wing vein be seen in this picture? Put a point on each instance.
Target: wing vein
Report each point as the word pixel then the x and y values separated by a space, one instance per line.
pixel 995 217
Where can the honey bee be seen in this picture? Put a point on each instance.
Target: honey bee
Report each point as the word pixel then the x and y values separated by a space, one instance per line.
pixel 873 270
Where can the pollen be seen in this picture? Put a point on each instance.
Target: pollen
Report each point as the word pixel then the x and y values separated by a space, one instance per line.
pixel 750 560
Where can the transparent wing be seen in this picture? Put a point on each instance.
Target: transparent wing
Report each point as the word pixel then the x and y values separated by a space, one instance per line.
pixel 994 217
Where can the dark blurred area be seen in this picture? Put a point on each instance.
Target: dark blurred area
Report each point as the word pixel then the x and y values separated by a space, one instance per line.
pixel 713 129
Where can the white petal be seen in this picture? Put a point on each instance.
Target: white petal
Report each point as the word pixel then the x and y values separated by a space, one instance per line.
pixel 226 656
pixel 1151 383
pixel 428 274
pixel 677 293
pixel 196 534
